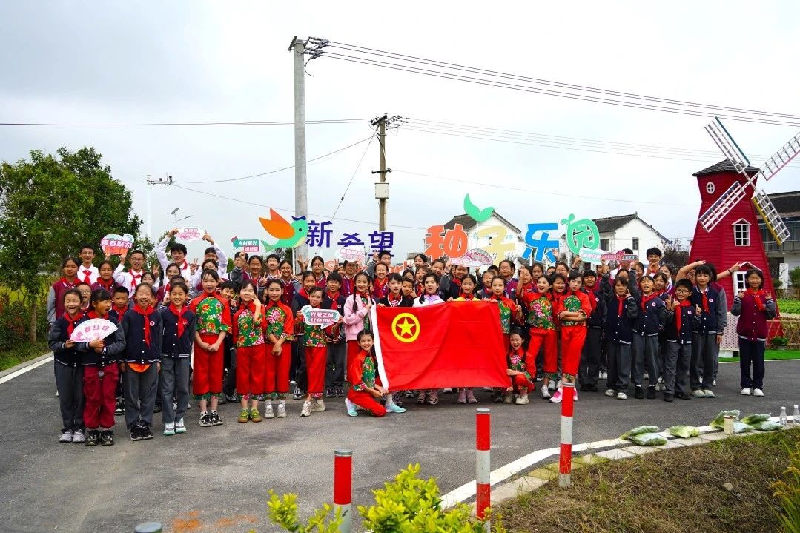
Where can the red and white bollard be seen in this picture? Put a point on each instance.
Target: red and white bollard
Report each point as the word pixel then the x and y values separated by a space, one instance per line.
pixel 343 486
pixel 567 409
pixel 483 442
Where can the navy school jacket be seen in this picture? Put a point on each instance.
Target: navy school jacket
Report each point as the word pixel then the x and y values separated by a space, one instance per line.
pixel 690 322
pixel 715 320
pixel 652 317
pixel 56 339
pixel 405 301
pixel 619 326
pixel 598 317
pixel 172 345
pixel 136 349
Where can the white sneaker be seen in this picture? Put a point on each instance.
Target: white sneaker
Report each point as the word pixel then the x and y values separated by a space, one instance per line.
pixel 709 393
pixel 66 436
pixel 745 391
pixel 611 393
pixel 78 436
pixel 268 412
pixel 317 405
pixel 306 409
pixel 758 392
pixel 521 399
pixel 552 385
pixel 169 429
pixel 558 385
pixel 180 427
pixel 545 392
pixel 281 409
pixel 698 393
pixel 622 396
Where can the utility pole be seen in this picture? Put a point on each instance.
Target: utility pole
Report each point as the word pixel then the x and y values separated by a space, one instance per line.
pixel 300 179
pixel 382 186
pixel 150 181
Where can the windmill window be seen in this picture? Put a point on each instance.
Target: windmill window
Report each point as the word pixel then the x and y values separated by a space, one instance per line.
pixel 710 188
pixel 741 233
pixel 740 282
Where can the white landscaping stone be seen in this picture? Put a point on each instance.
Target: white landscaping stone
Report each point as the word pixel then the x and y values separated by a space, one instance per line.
pixel 641 450
pixel 617 453
pixel 712 436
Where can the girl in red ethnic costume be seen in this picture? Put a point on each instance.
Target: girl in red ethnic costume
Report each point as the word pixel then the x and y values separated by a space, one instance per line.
pixel 542 326
pixel 572 312
pixel 279 331
pixel 521 378
pixel 251 354
pixel 316 353
pixel 365 384
pixel 213 324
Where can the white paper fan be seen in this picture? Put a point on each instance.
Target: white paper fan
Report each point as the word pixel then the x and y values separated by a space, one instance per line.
pixel 92 330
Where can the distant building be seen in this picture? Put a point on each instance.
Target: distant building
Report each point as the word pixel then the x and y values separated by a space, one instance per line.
pixel 629 231
pixel 498 236
pixel 785 257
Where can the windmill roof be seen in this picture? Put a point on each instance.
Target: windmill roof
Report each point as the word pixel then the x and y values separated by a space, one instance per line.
pixel 723 166
pixel 612 224
pixel 467 222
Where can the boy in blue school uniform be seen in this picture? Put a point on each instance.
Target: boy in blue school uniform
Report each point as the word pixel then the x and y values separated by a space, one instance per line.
pixel 590 357
pixel 179 324
pixel 713 304
pixel 651 320
pixel 337 349
pixel 682 321
pixel 621 315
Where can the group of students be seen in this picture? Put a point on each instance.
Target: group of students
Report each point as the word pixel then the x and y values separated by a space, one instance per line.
pixel 190 325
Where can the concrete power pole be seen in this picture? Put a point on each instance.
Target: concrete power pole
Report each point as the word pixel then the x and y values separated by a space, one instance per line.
pixel 300 180
pixel 382 186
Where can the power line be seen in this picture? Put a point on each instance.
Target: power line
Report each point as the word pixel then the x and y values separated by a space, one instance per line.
pixel 492 78
pixel 358 166
pixel 537 191
pixel 275 171
pixel 186 124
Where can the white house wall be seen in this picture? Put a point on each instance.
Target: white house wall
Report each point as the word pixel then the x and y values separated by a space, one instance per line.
pixel 623 238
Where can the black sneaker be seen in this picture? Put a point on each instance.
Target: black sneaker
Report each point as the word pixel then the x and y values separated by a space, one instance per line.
pixel 682 396
pixel 639 393
pixel 651 392
pixel 107 438
pixel 668 397
pixel 120 409
pixel 498 397
pixel 136 432
pixel 330 392
pixel 92 437
pixel 157 408
pixel 146 433
pixel 298 394
pixel 215 419
pixel 231 398
pixel 205 419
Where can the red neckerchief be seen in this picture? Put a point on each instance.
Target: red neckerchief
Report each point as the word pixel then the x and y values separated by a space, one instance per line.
pixel 757 296
pixel 106 286
pixel 380 288
pixel 93 314
pixel 146 315
pixel 621 304
pixel 302 292
pixel 419 290
pixel 394 302
pixel 364 297
pixel 457 282
pixel 120 310
pixel 134 278
pixel 704 297
pixel 87 275
pixel 650 271
pixel 68 284
pixel 679 313
pixel 502 298
pixel 72 321
pixel 179 317
pixel 333 296
pixel 517 351
pixel 468 297
pixel 646 299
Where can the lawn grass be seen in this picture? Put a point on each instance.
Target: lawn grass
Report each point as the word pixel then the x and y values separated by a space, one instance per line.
pixel 770 355
pixel 670 491
pixel 789 306
pixel 24 352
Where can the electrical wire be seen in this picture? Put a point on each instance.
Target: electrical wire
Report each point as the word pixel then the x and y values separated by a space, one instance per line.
pixel 358 166
pixel 190 124
pixel 275 171
pixel 453 71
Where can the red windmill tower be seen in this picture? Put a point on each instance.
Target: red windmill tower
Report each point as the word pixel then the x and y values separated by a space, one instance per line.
pixel 727 228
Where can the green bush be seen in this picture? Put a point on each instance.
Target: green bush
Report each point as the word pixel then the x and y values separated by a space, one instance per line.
pixel 15 318
pixel 779 341
pixel 788 492
pixel 786 305
pixel 406 505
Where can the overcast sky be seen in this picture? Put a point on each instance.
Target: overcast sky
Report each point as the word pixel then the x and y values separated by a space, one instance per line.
pixel 94 68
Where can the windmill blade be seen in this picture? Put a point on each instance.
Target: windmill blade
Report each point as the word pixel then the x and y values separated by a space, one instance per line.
pixel 727 145
pixel 771 217
pixel 722 206
pixel 774 164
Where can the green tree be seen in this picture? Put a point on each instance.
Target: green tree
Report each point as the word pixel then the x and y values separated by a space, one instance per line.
pixel 50 205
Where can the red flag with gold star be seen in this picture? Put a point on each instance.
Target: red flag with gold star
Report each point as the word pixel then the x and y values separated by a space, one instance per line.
pixel 454 344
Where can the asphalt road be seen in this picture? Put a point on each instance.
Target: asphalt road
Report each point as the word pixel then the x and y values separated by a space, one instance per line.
pixel 216 479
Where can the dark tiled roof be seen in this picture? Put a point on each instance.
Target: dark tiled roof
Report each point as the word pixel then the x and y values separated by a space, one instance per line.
pixel 786 203
pixel 467 222
pixel 612 224
pixel 723 166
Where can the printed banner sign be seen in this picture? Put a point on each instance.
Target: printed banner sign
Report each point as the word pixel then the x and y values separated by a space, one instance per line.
pixel 319 317
pixel 92 330
pixel 620 256
pixel 349 253
pixel 473 258
pixel 113 244
pixel 591 256
pixel 246 245
pixel 190 234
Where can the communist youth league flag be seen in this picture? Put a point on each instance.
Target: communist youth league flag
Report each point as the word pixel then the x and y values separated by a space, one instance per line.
pixel 455 344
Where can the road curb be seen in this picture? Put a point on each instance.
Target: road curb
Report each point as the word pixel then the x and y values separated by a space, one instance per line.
pixel 10 373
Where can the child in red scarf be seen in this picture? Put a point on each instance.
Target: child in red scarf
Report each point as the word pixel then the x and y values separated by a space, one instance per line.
pixel 179 329
pixel 105 280
pixel 380 287
pixel 337 347
pixel 683 319
pixel 366 388
pixel 753 307
pixel 467 294
pixel 521 378
pixel 279 334
pixel 142 361
pixel 542 324
pixel 507 310
pixel 68 370
pixel 55 298
pixel 100 374
pixel 572 313
pixel 213 324
pixel 314 340
pixel 248 336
